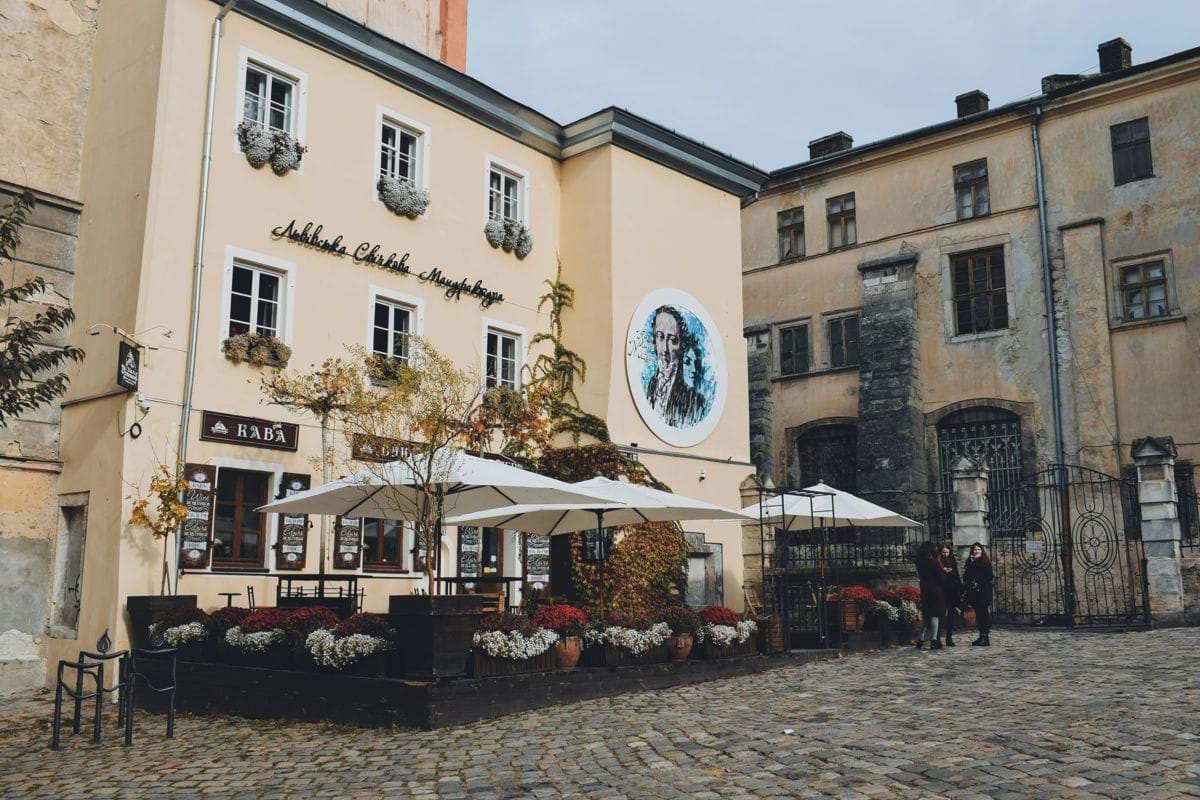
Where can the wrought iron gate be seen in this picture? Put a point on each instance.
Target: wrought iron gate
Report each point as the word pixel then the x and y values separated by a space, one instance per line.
pixel 1078 559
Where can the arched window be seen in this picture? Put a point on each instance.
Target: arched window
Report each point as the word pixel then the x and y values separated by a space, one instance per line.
pixel 828 454
pixel 990 436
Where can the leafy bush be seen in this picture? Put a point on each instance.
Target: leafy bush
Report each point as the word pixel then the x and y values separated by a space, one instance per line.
pixel 563 619
pixel 680 619
pixel 719 615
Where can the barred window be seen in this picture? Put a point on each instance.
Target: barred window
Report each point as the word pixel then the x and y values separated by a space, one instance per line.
pixel 980 297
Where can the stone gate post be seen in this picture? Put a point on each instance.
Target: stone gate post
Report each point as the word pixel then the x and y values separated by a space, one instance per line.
pixel 970 505
pixel 1161 532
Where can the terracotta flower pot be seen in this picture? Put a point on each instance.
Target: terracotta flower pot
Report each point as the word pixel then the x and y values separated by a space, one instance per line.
pixel 567 651
pixel 679 647
pixel 968 617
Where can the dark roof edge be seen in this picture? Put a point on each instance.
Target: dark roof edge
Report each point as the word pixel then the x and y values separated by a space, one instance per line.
pixel 341 36
pixel 793 170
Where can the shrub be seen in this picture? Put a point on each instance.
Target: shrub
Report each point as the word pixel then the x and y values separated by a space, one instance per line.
pixel 303 621
pixel 223 619
pixel 265 619
pixel 855 594
pixel 680 619
pixel 179 616
pixel 634 622
pixel 719 615
pixel 506 622
pixel 365 625
pixel 563 619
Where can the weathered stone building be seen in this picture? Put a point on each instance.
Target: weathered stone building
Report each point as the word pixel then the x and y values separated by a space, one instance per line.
pixel 896 293
pixel 46 76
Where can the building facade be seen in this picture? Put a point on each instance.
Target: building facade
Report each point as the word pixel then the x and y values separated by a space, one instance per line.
pixel 896 293
pixel 314 259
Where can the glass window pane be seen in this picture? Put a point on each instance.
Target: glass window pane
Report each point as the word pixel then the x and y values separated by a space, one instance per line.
pixel 1154 270
pixel 981 310
pixel 1139 129
pixel 268 286
pixel 243 280
pixel 266 318
pixel 1156 291
pixel 400 319
pixel 1120 134
pixel 239 308
pixel 1141 160
pixel 981 199
pixel 962 280
pixel 835 235
pixel 1131 275
pixel 963 316
pixel 848 203
pixel 379 341
pixel 999 311
pixel 851 231
pixel 381 314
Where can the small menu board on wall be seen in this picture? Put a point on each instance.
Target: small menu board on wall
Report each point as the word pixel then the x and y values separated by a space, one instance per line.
pixel 537 559
pixel 293 528
pixel 194 549
pixel 470 541
pixel 347 542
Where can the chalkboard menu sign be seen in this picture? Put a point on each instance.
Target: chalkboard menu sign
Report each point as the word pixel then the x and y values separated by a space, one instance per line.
pixel 470 542
pixel 194 549
pixel 293 528
pixel 537 560
pixel 347 542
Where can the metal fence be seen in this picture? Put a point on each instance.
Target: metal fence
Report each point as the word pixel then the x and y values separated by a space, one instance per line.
pixel 1189 506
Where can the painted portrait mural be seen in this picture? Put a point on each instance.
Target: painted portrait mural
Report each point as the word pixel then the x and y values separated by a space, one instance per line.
pixel 675 364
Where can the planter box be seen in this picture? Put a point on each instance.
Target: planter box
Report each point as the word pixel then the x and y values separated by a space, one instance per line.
pixel 487 666
pixel 711 650
pixel 620 657
pixel 772 637
pixel 143 607
pixel 434 633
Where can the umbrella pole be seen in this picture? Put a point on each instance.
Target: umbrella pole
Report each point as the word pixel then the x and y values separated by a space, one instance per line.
pixel 601 551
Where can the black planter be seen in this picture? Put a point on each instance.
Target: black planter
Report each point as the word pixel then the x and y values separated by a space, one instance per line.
pixel 433 633
pixel 143 607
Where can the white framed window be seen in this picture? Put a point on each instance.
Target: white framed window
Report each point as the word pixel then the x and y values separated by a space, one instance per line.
pixel 269 98
pixel 502 360
pixel 255 300
pixel 391 325
pixel 507 191
pixel 257 295
pixel 401 149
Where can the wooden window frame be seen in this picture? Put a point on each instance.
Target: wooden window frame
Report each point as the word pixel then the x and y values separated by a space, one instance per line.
pixel 842 220
pixel 840 319
pixel 787 328
pixel 974 292
pixel 231 561
pixel 790 225
pixel 370 559
pixel 973 184
pixel 1144 284
pixel 1119 149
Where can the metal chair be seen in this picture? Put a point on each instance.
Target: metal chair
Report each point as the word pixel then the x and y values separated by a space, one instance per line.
pixel 250 597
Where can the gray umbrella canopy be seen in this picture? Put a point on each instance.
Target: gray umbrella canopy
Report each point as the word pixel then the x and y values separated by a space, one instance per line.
pixel 471 485
pixel 621 504
pixel 825 507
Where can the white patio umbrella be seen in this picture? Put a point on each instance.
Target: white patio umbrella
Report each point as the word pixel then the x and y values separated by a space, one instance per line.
pixel 823 506
pixel 471 485
pixel 623 504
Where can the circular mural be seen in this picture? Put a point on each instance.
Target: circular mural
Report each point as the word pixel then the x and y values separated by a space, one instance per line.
pixel 675 364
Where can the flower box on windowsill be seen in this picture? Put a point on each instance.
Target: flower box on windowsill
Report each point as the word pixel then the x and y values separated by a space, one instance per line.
pixel 511 235
pixel 257 349
pixel 277 148
pixel 384 371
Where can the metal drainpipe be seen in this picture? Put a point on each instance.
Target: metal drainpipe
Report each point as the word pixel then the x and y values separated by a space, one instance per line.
pixel 198 257
pixel 1048 287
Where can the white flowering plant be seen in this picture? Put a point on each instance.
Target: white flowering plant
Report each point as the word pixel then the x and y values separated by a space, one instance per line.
pixel 510 234
pixel 401 196
pixel 180 635
pixel 329 650
pixel 726 635
pixel 514 636
pixel 277 148
pixel 881 612
pixel 908 613
pixel 636 633
pixel 256 642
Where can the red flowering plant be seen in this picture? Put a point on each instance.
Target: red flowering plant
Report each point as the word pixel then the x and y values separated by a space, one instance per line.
pixel 505 622
pixel 512 636
pixel 261 630
pixel 223 619
pixel 179 626
pixel 855 594
pixel 365 624
pixel 266 619
pixel 303 621
pixel 910 593
pixel 719 615
pixel 563 619
pixel 633 622
pixel 680 619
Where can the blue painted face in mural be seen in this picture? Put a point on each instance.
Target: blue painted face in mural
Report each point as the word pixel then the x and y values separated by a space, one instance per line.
pixel 674 381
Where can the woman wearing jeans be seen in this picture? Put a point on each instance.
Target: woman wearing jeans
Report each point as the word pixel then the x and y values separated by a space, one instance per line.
pixel 933 595
pixel 977 582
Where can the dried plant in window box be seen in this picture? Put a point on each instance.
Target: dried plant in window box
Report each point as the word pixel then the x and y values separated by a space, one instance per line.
pixel 258 349
pixel 277 148
pixel 402 197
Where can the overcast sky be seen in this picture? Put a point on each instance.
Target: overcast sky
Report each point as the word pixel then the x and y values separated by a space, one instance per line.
pixel 761 79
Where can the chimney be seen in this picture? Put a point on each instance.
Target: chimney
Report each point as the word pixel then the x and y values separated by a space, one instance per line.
pixel 1114 55
pixel 833 143
pixel 971 102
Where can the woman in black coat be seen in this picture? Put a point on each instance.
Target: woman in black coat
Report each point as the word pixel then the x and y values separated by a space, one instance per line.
pixel 978 581
pixel 933 596
pixel 952 587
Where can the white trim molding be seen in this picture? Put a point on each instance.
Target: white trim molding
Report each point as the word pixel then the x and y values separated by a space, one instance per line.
pixel 254 259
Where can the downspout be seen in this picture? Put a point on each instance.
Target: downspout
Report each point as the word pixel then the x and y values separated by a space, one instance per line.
pixel 185 413
pixel 1048 288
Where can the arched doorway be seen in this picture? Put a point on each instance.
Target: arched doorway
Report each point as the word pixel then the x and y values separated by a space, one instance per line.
pixel 991 436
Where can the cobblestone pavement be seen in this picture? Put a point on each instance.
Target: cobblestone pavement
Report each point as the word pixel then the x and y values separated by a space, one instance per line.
pixel 1039 714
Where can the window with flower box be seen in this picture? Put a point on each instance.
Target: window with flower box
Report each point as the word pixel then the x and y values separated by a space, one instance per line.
pixel 503 360
pixel 255 301
pixel 399 152
pixel 269 99
pixel 391 326
pixel 504 195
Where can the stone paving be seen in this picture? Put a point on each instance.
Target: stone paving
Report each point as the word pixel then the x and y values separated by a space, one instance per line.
pixel 1039 714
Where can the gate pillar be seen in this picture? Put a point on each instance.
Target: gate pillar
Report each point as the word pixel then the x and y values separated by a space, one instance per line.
pixel 970 484
pixel 1161 532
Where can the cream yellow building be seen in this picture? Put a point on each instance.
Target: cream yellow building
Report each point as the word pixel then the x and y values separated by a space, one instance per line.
pixel 630 207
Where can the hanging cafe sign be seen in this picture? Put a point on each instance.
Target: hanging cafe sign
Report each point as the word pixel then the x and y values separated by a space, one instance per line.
pixel 312 235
